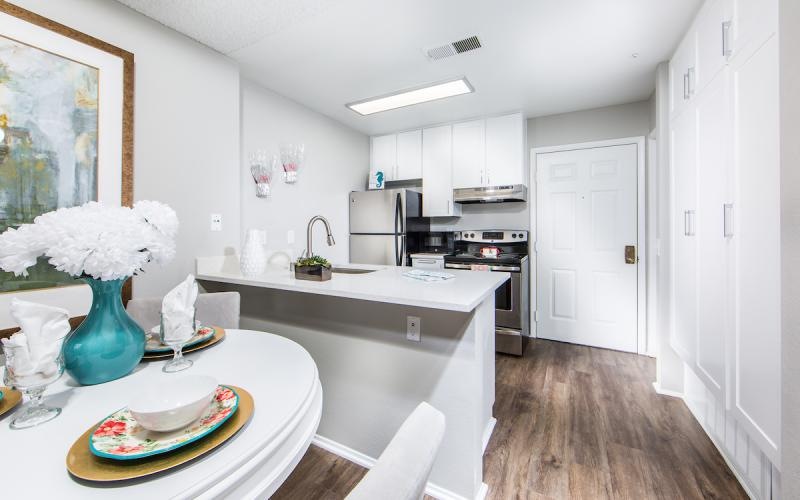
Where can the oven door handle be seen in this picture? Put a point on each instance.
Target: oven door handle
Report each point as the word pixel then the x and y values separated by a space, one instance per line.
pixel 511 269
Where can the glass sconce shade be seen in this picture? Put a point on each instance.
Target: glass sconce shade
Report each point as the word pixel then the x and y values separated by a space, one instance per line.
pixel 262 167
pixel 292 156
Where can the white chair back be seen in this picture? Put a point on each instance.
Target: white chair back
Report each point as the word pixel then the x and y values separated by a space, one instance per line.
pixel 404 466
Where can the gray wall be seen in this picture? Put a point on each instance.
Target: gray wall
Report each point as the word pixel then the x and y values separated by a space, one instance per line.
pixel 186 137
pixel 337 162
pixel 612 122
pixel 790 244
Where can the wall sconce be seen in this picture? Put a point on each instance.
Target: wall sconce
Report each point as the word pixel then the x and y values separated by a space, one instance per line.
pixel 262 166
pixel 292 156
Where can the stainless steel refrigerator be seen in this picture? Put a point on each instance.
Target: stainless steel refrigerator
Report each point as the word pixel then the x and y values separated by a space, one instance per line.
pixel 385 226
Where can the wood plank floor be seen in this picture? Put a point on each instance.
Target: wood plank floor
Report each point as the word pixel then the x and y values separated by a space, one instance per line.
pixel 573 422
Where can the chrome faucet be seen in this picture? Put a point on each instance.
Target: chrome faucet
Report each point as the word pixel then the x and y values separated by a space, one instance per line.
pixel 331 241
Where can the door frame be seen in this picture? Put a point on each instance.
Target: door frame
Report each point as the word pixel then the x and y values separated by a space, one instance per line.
pixel 641 221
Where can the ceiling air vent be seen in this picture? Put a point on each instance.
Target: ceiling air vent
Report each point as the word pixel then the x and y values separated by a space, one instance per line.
pixel 453 48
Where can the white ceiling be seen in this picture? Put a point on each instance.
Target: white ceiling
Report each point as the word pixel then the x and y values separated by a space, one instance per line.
pixel 539 56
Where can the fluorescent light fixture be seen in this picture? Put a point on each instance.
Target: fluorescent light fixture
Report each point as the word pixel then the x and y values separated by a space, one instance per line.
pixel 409 97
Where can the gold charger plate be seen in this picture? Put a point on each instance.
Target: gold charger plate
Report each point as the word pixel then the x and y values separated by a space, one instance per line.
pixel 219 334
pixel 11 399
pixel 82 464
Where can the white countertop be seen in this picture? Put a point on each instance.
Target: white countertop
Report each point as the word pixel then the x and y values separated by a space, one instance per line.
pixel 387 284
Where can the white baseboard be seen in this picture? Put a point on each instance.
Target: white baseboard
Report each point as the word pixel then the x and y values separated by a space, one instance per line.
pixel 666 392
pixel 487 433
pixel 368 462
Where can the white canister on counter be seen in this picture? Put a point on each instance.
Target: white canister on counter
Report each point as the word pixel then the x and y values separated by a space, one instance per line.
pixel 253 260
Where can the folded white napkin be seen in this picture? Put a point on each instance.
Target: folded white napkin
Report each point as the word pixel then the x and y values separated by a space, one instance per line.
pixel 177 311
pixel 38 343
pixel 419 274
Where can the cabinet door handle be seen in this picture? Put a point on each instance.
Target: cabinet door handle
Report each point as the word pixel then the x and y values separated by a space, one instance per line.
pixel 727 224
pixel 688 223
pixel 448 207
pixel 690 81
pixel 726 39
pixel 685 86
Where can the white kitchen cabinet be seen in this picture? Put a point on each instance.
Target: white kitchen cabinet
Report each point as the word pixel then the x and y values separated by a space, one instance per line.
pixel 756 353
pixel 724 133
pixel 437 173
pixel 682 73
pixel 409 155
pixel 683 141
pixel 713 37
pixel 713 240
pixel 383 155
pixel 469 154
pixel 505 150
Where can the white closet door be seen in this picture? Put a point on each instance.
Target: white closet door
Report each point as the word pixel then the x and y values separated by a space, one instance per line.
pixel 683 337
pixel 713 179
pixel 587 213
pixel 756 356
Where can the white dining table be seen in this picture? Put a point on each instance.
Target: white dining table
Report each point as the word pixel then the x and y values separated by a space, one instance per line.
pixel 279 374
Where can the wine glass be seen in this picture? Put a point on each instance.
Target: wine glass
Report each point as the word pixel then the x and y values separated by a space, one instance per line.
pixel 31 383
pixel 167 337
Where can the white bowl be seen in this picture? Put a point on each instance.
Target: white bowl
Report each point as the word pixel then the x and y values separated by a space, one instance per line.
pixel 174 402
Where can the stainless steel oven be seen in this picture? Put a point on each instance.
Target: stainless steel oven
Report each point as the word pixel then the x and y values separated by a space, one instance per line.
pixel 500 251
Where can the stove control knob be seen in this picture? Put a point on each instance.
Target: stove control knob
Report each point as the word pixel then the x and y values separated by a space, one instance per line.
pixel 514 235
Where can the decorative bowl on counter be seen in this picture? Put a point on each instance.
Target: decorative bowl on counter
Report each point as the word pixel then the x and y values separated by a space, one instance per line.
pixel 314 268
pixel 173 403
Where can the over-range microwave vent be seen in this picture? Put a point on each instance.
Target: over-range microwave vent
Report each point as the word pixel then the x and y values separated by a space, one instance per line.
pixel 453 48
pixel 491 194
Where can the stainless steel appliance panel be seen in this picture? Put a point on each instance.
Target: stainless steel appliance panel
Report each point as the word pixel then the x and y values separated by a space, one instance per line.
pixel 382 211
pixel 379 249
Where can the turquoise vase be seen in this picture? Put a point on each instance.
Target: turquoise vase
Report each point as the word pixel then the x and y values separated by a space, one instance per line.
pixel 108 344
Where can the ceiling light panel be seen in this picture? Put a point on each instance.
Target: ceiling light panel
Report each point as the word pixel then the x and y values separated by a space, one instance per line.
pixel 413 96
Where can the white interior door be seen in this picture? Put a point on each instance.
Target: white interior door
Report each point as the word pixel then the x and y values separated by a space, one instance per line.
pixel 587 215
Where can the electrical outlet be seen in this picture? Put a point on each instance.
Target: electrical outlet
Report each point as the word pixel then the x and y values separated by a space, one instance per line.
pixel 414 328
pixel 216 222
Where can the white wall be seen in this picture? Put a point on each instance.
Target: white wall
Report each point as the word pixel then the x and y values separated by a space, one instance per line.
pixel 790 243
pixel 612 122
pixel 186 135
pixel 337 162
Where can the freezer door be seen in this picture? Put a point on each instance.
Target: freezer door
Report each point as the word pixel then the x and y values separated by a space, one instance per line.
pixel 375 212
pixel 380 249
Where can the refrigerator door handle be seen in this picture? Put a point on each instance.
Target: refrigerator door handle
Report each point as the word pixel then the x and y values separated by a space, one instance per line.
pixel 397 211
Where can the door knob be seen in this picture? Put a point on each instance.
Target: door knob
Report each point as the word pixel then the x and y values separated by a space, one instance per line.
pixel 630 254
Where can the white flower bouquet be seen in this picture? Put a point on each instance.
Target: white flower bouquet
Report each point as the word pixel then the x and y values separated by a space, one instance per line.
pixel 93 240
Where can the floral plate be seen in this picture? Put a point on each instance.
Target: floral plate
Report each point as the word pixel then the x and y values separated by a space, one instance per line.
pixel 120 437
pixel 154 345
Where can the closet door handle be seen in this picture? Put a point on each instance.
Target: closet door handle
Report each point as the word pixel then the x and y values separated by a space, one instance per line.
pixel 685 86
pixel 726 39
pixel 727 224
pixel 688 223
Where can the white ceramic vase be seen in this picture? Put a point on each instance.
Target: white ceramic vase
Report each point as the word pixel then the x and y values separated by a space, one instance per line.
pixel 253 260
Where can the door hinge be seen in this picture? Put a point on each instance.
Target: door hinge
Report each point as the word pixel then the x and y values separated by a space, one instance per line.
pixel 536 246
pixel 535 316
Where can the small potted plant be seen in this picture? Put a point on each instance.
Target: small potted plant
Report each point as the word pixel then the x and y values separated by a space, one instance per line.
pixel 314 268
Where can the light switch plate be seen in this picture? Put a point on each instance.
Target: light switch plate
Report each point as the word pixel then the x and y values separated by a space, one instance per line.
pixel 216 222
pixel 414 328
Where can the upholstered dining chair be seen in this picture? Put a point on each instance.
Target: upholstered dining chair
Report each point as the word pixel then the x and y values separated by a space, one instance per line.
pixel 213 309
pixel 402 470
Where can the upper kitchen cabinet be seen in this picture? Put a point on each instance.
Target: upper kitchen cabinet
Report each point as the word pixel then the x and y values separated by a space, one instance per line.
pixel 489 152
pixel 469 154
pixel 409 155
pixel 383 155
pixel 505 150
pixel 437 173
pixel 398 156
pixel 682 73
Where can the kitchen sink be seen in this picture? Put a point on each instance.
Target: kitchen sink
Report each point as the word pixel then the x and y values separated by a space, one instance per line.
pixel 351 270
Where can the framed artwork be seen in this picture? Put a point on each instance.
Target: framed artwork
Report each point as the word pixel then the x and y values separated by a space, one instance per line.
pixel 66 137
